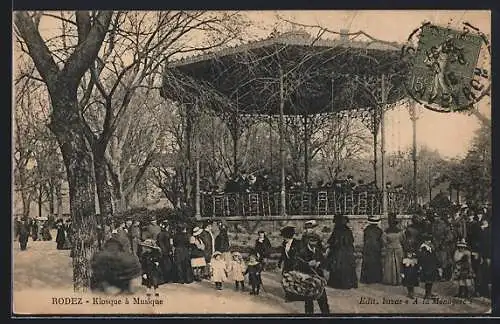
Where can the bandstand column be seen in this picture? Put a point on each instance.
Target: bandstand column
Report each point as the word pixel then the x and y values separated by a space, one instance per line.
pixel 197 213
pixel 413 118
pixel 306 153
pixel 382 146
pixel 281 143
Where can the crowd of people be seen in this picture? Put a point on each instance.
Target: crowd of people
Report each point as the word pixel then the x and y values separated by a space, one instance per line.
pixel 434 246
pixel 431 248
pixel 30 227
pixel 173 253
pixel 264 182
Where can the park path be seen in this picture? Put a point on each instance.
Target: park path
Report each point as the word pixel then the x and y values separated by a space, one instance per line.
pixel 42 272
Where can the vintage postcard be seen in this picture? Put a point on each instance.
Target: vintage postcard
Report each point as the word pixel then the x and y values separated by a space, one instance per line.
pixel 254 162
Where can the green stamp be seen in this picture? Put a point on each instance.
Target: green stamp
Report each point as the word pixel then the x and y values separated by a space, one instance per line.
pixel 449 68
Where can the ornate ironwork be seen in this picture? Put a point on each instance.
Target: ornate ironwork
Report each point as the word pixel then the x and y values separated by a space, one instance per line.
pixel 314 202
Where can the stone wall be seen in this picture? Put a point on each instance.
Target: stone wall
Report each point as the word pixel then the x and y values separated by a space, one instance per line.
pixel 248 229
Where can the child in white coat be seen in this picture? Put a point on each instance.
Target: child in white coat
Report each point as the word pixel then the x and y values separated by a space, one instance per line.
pixel 237 268
pixel 218 268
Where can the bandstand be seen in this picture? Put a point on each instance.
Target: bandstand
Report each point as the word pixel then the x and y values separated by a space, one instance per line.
pixel 292 75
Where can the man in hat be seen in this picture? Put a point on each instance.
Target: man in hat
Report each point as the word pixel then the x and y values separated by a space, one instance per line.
pixel 311 260
pixel 208 240
pixel 371 268
pixel 484 272
pixel 310 228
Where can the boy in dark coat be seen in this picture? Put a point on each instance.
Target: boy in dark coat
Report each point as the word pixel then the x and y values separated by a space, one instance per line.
pixel 150 262
pixel 254 268
pixel 262 248
pixel 410 272
pixel 429 264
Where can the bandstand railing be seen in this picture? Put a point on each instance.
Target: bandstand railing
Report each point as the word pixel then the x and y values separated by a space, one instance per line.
pixel 314 202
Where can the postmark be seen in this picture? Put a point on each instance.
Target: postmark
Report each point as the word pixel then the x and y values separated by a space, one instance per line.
pixel 449 67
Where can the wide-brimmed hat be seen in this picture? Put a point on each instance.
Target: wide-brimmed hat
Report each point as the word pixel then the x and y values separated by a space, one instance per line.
pixel 287 231
pixel 310 224
pixel 462 243
pixel 197 231
pixel 149 243
pixel 373 219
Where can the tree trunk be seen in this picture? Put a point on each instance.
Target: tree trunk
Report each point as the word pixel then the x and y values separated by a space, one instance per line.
pixel 375 142
pixel 51 199
pixel 67 126
pixel 188 137
pixel 59 199
pixel 104 195
pixel 26 204
pixel 40 202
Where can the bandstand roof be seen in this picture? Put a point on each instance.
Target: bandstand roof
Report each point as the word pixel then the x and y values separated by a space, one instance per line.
pixel 320 76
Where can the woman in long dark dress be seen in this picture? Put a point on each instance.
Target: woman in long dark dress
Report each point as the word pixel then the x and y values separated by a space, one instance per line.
pixel 61 236
pixel 341 259
pixel 24 233
pixel 164 241
pixel 371 268
pixel 182 258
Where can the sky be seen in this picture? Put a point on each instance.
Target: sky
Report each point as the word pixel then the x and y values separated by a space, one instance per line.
pixel 449 133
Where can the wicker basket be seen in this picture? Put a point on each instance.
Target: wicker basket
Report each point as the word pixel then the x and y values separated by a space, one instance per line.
pixel 301 286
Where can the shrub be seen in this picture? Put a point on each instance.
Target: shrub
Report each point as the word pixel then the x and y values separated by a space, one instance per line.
pixel 174 215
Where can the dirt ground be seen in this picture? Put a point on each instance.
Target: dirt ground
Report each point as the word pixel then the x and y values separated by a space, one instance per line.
pixel 42 278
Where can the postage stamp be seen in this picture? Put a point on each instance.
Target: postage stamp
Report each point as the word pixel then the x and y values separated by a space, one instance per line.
pixel 251 163
pixel 449 67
